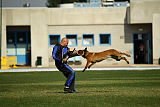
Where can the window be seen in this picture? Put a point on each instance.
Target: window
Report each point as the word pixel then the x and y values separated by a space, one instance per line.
pixel 18 37
pixel 10 37
pixel 72 39
pixel 88 39
pixel 21 37
pixel 54 39
pixel 140 36
pixel 105 39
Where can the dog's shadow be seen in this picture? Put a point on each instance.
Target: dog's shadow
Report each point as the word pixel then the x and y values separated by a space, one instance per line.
pixel 81 92
pixel 60 92
pixel 74 63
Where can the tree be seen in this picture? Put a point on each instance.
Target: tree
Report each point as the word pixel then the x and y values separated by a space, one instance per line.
pixel 121 0
pixel 55 3
pixel 72 1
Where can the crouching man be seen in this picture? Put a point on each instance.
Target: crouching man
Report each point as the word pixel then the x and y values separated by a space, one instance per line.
pixel 59 55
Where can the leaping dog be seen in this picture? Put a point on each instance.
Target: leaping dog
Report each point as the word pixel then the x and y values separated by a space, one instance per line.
pixel 93 57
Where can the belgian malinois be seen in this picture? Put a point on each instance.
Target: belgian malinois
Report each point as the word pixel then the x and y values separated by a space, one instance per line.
pixel 93 57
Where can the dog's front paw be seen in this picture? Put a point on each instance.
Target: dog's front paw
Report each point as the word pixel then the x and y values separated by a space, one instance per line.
pixel 83 70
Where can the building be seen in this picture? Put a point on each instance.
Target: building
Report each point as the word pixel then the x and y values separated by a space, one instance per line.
pixel 129 29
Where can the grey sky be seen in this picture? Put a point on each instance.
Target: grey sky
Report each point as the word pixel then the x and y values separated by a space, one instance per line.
pixel 20 3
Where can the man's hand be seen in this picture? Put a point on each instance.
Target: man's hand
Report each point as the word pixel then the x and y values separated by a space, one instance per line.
pixel 64 60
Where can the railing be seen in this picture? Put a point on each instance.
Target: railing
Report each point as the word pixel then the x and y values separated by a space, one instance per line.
pixel 105 3
pixel 8 62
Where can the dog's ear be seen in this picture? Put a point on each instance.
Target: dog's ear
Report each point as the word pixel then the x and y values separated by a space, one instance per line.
pixel 85 49
pixel 74 49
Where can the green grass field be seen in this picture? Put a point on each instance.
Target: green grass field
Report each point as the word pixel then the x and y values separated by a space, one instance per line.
pixel 94 89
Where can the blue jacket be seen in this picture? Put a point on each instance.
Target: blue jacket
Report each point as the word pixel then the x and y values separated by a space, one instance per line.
pixel 57 52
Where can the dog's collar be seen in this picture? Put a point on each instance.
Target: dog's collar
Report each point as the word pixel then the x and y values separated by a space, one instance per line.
pixel 83 55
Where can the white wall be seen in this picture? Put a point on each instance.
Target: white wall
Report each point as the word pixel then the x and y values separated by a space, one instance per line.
pixel 141 11
pixel 86 16
pixel 156 37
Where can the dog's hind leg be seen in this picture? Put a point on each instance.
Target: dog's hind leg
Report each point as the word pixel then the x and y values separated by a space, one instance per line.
pixel 91 64
pixel 125 59
pixel 88 62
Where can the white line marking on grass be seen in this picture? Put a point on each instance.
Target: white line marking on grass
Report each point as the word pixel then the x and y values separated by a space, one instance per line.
pixel 79 69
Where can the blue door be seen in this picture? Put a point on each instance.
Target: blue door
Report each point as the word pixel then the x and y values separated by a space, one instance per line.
pixel 18 43
pixel 142 48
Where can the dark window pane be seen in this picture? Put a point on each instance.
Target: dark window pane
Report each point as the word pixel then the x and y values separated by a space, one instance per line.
pixel 135 36
pixel 72 40
pixel 104 39
pixel 10 37
pixel 88 39
pixel 71 36
pixel 21 37
pixel 54 39
pixel 87 36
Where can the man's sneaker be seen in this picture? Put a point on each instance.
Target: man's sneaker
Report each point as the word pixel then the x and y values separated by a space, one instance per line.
pixel 66 89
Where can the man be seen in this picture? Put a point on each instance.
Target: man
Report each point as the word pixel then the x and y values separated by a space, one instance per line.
pixel 59 55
